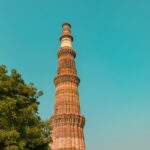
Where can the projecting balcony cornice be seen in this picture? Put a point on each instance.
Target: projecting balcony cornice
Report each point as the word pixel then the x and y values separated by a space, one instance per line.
pixel 63 78
pixel 68 119
pixel 66 50
pixel 66 35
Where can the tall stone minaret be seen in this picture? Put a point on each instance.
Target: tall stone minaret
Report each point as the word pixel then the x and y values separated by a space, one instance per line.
pixel 67 121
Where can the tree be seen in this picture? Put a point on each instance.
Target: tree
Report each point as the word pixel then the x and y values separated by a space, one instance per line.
pixel 21 128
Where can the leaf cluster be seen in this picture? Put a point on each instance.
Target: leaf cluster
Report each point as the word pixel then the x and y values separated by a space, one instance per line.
pixel 21 128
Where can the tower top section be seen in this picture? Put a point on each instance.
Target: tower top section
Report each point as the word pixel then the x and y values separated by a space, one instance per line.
pixel 66 24
pixel 66 37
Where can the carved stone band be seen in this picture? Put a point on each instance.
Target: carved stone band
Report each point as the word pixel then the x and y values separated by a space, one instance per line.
pixel 68 119
pixel 66 50
pixel 62 78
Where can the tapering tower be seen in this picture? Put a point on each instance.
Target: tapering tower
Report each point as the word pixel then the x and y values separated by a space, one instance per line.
pixel 67 121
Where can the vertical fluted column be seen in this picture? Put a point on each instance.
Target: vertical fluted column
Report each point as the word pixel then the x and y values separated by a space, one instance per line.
pixel 67 121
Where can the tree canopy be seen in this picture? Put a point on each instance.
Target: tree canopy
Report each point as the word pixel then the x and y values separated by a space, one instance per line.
pixel 21 128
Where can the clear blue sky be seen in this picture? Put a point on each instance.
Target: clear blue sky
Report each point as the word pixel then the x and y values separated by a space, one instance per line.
pixel 112 41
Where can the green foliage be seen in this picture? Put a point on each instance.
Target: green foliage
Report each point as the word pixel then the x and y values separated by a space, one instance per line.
pixel 20 125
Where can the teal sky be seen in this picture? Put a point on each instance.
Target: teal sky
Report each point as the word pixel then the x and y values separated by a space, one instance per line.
pixel 112 41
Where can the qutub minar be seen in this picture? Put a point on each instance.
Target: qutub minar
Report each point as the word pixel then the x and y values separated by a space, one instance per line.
pixel 67 122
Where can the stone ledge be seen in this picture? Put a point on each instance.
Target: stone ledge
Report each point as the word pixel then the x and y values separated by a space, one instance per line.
pixel 62 78
pixel 68 119
pixel 66 50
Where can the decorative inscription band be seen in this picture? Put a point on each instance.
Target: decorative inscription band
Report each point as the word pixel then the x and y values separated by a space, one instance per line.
pixel 62 78
pixel 68 119
pixel 66 50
